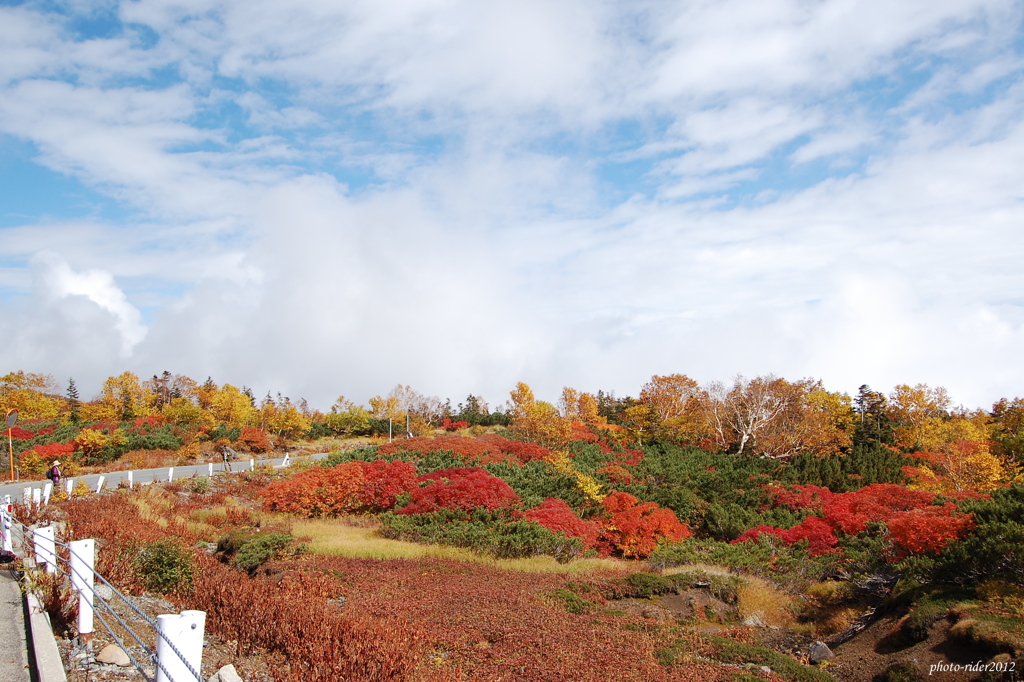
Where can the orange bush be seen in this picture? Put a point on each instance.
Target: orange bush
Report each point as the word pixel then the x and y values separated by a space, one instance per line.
pixel 343 489
pixel 634 529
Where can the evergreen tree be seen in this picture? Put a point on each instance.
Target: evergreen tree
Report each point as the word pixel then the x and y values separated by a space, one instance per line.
pixel 74 404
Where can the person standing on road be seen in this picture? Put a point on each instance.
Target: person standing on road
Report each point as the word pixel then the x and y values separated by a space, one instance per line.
pixel 54 473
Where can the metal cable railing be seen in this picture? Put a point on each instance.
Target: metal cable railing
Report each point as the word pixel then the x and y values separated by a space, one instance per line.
pixel 53 558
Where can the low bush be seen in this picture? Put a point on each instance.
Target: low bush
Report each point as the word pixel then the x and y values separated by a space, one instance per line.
pixel 260 549
pixel 498 533
pixel 165 566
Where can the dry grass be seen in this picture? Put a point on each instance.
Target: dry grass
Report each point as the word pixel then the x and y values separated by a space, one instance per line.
pixel 760 598
pixel 359 538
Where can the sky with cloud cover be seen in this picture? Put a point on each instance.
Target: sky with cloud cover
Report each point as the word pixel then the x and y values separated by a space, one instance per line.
pixel 323 198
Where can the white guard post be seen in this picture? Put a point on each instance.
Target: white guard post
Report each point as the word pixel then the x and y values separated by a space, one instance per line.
pixel 69 486
pixel 185 630
pixel 47 491
pixel 286 461
pixel 131 479
pixel 45 548
pixel 99 483
pixel 37 497
pixel 211 469
pixel 252 464
pixel 5 525
pixel 170 474
pixel 83 560
pixel 26 496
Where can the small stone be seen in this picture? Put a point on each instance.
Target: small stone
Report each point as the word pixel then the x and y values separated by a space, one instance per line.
pixel 765 669
pixel 819 652
pixel 114 655
pixel 103 592
pixel 753 621
pixel 226 674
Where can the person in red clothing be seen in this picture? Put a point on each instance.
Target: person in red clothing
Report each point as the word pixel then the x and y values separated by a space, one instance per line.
pixel 54 473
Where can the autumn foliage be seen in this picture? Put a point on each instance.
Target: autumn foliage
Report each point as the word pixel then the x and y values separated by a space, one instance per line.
pixel 915 524
pixel 556 515
pixel 460 488
pixel 633 528
pixel 343 489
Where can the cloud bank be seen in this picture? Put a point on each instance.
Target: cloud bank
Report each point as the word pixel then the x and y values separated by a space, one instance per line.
pixel 326 199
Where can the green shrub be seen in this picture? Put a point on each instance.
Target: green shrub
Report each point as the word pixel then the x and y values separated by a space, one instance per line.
pixel 899 672
pixel 730 651
pixel 164 566
pixel 494 532
pixel 723 587
pixel 260 549
pixel 572 602
pixel 646 585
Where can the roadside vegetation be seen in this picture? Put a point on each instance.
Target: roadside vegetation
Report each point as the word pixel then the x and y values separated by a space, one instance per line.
pixel 695 532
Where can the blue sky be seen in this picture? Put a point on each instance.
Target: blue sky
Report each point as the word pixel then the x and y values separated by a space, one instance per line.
pixel 327 198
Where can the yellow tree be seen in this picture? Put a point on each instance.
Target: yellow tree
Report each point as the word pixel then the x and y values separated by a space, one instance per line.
pixel 232 407
pixel 674 403
pixel 815 421
pixel 536 420
pixel 956 454
pixel 187 414
pixel 914 410
pixel 34 396
pixel 579 406
pixel 123 398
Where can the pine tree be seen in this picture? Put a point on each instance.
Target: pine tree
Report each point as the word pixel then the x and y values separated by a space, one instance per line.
pixel 73 402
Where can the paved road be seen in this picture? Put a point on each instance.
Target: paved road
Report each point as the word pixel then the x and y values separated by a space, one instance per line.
pixel 13 652
pixel 143 476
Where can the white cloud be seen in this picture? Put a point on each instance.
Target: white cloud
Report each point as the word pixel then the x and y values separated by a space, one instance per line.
pixel 60 281
pixel 484 247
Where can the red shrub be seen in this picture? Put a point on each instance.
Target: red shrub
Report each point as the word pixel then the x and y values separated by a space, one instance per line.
pixel 253 439
pixel 800 497
pixel 448 425
pixel 318 492
pixel 460 488
pixel 18 433
pixel 851 512
pixel 634 529
pixel 556 515
pixel 54 450
pixel 816 530
pixel 524 452
pixel 384 481
pixel 929 530
pixel 616 474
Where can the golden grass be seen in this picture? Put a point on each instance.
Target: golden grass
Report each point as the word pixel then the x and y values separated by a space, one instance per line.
pixel 356 538
pixel 760 598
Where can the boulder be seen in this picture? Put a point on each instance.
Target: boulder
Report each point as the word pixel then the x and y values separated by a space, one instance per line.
pixel 114 655
pixel 226 674
pixel 819 652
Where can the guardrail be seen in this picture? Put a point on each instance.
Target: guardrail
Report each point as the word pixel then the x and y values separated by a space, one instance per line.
pixel 177 652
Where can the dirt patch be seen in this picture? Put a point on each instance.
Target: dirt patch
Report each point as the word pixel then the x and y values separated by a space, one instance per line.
pixel 871 651
pixel 688 606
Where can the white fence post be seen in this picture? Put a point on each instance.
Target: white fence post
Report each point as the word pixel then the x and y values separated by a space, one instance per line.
pixel 185 630
pixel 170 474
pixel 5 525
pixel 69 486
pixel 47 491
pixel 83 560
pixel 45 548
pixel 211 469
pixel 99 483
pixel 252 463
pixel 37 497
pixel 26 495
pixel 131 479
